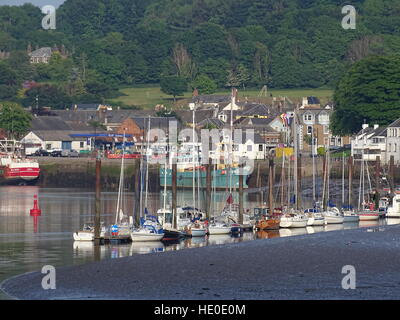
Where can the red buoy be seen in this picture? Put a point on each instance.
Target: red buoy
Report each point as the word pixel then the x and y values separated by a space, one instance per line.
pixel 35 211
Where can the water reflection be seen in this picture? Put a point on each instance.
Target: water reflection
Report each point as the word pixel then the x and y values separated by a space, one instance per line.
pixel 26 243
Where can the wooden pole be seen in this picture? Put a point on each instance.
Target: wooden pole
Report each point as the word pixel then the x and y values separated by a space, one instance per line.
pixel 98 202
pixel 378 173
pixel 299 184
pixel 137 191
pixel 259 183
pixel 208 187
pixel 174 194
pixel 324 181
pixel 271 186
pixel 240 196
pixel 351 170
pixel 391 174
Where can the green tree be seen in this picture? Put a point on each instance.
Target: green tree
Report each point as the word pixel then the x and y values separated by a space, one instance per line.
pixel 204 84
pixel 370 91
pixel 173 85
pixel 14 119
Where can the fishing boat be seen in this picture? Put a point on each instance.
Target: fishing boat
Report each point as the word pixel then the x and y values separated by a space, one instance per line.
pixel 15 169
pixel 393 211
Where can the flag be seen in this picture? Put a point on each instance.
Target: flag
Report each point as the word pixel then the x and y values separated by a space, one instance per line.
pixel 230 199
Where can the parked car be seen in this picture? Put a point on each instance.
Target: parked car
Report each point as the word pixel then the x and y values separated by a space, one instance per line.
pixel 56 153
pixel 41 153
pixel 69 153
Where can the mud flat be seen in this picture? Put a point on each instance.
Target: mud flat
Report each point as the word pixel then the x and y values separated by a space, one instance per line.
pixel 300 267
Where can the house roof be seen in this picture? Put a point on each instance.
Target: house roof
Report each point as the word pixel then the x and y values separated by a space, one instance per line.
pixel 57 135
pixel 187 115
pixel 155 122
pixel 49 123
pixel 394 124
pixel 211 121
pixel 42 52
pixel 212 99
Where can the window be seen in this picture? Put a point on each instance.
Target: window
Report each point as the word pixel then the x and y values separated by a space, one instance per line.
pixel 249 148
pixel 81 144
pixel 308 117
pixel 48 146
pixel 260 147
pixel 309 129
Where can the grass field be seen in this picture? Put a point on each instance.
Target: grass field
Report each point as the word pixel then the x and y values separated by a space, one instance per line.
pixel 148 97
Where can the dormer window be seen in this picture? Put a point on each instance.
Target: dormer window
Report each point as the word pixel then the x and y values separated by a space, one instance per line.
pixel 308 117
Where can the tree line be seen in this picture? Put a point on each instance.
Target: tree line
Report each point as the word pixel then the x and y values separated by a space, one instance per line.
pixel 104 45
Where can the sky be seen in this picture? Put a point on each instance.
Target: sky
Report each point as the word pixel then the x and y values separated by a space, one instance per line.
pixel 39 3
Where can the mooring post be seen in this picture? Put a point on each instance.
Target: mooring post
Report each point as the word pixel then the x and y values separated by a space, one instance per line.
pixel 271 186
pixel 241 195
pixel 299 184
pixel 98 202
pixel 137 191
pixel 209 182
pixel 351 166
pixel 174 194
pixel 378 173
pixel 391 174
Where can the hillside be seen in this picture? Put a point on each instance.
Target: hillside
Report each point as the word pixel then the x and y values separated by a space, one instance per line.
pixel 244 43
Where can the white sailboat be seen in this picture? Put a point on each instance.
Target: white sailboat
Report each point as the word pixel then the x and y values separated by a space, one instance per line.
pixel 150 228
pixel 366 210
pixel 393 211
pixel 294 218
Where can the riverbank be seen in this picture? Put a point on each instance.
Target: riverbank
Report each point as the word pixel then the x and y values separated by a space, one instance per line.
pixel 80 172
pixel 300 267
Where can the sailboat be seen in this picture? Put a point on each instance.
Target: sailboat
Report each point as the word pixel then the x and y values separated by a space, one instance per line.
pixel 366 208
pixel 331 213
pixel 123 224
pixel 150 229
pixel 218 225
pixel 293 217
pixel 350 216
pixel 315 217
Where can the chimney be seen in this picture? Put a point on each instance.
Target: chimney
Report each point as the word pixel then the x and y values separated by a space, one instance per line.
pixel 365 126
pixel 376 126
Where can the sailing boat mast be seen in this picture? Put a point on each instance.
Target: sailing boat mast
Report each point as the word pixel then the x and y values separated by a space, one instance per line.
pixel 194 163
pixel 231 151
pixel 147 164
pixel 295 173
pixel 121 183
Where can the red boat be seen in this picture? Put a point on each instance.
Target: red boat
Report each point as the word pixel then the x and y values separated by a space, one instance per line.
pixel 15 169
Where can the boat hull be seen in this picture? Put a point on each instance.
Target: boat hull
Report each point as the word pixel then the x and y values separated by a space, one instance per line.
pixel 198 232
pixel 83 236
pixel 334 219
pixel 369 216
pixel 139 236
pixel 268 224
pixel 219 230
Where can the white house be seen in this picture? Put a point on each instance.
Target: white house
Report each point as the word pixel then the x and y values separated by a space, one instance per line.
pixel 393 141
pixel 370 142
pixel 53 140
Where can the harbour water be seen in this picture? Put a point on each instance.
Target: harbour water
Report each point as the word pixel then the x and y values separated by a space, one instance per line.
pixel 27 244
